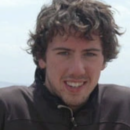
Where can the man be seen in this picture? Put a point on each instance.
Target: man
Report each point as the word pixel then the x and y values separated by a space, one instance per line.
pixel 73 41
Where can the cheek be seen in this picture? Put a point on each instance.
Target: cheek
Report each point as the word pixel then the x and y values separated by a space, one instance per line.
pixel 55 69
pixel 93 70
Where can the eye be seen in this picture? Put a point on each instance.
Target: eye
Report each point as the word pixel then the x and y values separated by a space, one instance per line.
pixel 90 54
pixel 63 53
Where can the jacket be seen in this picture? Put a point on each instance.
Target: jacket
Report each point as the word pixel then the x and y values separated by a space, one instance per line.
pixel 26 108
pixel 35 108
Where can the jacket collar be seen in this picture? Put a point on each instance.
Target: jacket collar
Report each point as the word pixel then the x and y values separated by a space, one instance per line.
pixel 54 101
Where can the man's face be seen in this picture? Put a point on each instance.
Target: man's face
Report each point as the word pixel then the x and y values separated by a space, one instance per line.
pixel 73 68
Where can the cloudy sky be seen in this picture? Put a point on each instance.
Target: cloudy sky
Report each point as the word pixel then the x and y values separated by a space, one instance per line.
pixel 18 17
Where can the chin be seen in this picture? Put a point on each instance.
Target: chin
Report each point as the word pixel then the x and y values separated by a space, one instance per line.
pixel 74 102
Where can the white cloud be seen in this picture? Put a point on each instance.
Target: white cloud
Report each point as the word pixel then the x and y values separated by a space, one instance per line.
pixel 123 11
pixel 16 64
pixel 12 3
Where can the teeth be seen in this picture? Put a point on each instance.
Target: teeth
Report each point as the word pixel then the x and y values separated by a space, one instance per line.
pixel 75 85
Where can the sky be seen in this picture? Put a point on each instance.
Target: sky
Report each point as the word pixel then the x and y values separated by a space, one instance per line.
pixel 18 18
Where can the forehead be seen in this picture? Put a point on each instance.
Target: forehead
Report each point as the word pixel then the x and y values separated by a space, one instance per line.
pixel 75 41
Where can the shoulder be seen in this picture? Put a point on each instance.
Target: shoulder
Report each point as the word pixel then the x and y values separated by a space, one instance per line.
pixel 13 91
pixel 16 103
pixel 15 100
pixel 10 96
pixel 115 94
pixel 112 91
pixel 114 102
pixel 114 97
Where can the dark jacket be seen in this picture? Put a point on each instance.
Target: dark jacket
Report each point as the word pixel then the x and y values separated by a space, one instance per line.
pixel 34 108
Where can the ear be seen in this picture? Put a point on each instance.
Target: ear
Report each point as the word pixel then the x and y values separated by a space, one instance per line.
pixel 42 63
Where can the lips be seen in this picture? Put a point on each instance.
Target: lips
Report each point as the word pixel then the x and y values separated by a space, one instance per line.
pixel 75 87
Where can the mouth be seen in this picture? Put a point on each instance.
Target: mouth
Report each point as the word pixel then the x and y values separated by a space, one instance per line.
pixel 75 86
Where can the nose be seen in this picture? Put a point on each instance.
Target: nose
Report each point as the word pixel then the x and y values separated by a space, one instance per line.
pixel 77 68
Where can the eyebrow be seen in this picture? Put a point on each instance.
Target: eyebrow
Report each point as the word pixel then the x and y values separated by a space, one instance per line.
pixel 85 50
pixel 92 49
pixel 61 48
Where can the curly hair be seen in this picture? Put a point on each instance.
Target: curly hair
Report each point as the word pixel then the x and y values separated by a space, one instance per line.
pixel 84 17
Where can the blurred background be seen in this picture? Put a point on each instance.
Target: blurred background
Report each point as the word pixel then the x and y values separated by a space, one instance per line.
pixel 18 17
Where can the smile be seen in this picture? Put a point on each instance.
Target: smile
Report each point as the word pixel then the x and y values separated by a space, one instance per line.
pixel 75 84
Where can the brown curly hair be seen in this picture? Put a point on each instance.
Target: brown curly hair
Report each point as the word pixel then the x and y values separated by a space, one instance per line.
pixel 82 16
